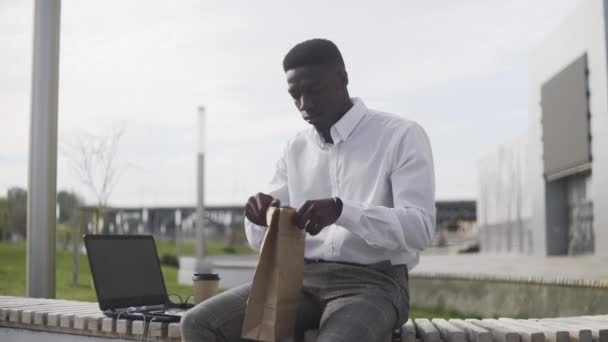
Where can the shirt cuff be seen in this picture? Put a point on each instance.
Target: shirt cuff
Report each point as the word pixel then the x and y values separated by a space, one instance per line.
pixel 351 214
pixel 253 225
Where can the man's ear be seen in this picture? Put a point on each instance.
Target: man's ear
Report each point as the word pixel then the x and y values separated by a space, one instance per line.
pixel 343 76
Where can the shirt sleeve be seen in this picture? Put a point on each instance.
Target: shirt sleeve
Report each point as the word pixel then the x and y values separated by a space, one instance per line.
pixel 410 224
pixel 277 189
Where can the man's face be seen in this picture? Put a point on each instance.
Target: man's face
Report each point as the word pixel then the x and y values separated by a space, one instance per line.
pixel 317 93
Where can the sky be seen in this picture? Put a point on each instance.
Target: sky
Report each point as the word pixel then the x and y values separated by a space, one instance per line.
pixel 459 68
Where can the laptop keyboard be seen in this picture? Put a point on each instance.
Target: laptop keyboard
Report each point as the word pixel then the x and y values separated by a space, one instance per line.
pixel 168 312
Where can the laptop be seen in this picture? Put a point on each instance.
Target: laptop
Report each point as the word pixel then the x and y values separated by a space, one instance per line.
pixel 128 279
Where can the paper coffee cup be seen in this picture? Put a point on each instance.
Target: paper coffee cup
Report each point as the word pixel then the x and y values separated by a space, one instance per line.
pixel 205 286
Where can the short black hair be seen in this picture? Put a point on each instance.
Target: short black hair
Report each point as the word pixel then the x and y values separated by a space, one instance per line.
pixel 312 52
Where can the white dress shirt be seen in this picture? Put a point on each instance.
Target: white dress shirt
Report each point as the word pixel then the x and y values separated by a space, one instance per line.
pixel 381 167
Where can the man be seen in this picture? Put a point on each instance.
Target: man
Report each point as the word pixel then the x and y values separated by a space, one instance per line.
pixel 363 185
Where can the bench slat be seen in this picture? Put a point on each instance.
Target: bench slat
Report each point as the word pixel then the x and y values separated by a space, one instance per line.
pixel 15 312
pixel 38 315
pixel 123 326
pixel 474 333
pixel 499 333
pixel 138 328
pixel 67 320
pixel 527 334
pixel 599 318
pixel 53 319
pixel 448 331
pixel 577 333
pixel 93 322
pixel 426 330
pixel 408 332
pixel 551 334
pixel 108 325
pixel 4 311
pixel 174 331
pixel 599 330
pixel 157 329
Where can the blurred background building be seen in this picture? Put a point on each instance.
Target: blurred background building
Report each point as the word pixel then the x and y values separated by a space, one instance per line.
pixel 546 192
pixel 456 219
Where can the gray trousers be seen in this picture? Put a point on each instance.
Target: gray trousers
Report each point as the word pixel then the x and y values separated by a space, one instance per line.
pixel 345 302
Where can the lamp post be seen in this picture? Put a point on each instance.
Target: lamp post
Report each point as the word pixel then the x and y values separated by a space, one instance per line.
pixel 42 173
pixel 200 180
pixel 178 224
pixel 144 219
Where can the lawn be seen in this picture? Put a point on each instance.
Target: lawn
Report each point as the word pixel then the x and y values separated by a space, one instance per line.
pixel 13 266
pixel 211 248
pixel 13 269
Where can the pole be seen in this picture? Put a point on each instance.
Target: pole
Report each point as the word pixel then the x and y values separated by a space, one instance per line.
pixel 200 179
pixel 42 175
pixel 178 223
pixel 75 246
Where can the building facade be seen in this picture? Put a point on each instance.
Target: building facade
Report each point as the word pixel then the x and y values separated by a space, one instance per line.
pixel 547 192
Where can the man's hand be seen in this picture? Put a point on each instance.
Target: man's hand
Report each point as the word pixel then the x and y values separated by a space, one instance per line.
pixel 256 208
pixel 315 215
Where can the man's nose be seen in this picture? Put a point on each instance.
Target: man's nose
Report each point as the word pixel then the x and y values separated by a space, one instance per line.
pixel 305 104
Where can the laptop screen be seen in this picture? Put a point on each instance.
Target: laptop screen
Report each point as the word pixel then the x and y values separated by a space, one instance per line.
pixel 126 270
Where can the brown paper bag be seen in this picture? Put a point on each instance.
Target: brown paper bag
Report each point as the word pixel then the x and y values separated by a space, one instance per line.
pixel 277 283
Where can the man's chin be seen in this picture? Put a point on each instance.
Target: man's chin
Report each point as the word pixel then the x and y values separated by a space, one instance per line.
pixel 317 125
pixel 320 129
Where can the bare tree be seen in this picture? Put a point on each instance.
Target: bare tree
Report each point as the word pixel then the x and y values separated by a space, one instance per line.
pixel 93 159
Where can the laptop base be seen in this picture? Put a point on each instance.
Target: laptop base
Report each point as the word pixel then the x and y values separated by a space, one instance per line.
pixel 157 316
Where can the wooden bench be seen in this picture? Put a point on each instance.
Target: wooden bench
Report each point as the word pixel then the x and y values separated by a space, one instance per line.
pixel 78 318
pixel 37 318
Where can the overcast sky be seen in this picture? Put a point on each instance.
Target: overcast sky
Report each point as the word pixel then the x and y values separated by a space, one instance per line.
pixel 459 68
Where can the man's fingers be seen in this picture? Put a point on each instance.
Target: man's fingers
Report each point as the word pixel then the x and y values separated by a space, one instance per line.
pixel 249 207
pixel 249 213
pixel 255 207
pixel 252 213
pixel 303 208
pixel 311 223
pixel 299 221
pixel 275 203
pixel 259 201
pixel 258 209
pixel 315 226
pixel 307 215
pixel 314 231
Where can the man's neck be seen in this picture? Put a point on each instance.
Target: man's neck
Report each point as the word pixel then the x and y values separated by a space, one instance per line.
pixel 326 134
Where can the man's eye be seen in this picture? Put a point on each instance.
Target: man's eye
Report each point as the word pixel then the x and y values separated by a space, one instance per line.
pixel 315 91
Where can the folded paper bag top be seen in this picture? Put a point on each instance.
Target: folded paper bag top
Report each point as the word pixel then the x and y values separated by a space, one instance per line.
pixel 277 283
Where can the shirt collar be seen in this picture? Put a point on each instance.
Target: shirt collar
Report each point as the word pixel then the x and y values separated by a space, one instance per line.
pixel 342 129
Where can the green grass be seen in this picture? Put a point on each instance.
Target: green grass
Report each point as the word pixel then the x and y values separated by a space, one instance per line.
pixel 419 312
pixel 13 271
pixel 188 248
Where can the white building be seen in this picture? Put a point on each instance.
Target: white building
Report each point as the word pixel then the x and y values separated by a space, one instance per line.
pixel 504 206
pixel 547 193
